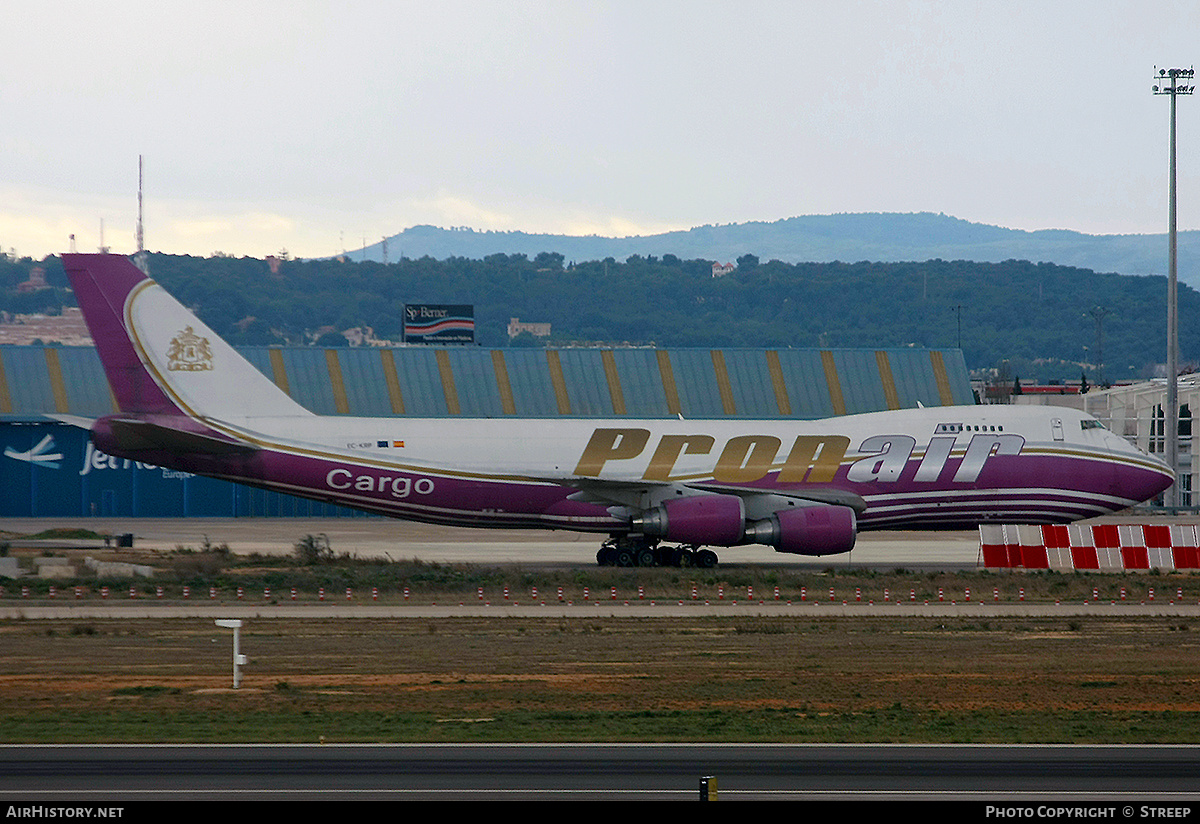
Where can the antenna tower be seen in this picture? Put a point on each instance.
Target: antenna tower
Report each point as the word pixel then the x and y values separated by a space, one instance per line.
pixel 140 258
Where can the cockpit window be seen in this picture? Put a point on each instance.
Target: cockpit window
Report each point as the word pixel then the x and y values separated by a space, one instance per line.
pixel 1092 424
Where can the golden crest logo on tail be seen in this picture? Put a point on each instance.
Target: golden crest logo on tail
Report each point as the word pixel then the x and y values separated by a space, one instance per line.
pixel 189 352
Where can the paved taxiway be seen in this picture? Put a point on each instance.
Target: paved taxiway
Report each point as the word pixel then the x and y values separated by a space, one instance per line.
pixel 1166 776
pixel 531 549
pixel 386 538
pixel 383 538
pixel 596 609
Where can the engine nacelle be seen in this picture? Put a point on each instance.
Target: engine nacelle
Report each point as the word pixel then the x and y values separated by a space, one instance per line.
pixel 807 530
pixel 715 520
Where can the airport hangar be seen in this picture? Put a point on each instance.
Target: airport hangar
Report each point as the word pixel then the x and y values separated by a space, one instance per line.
pixel 50 469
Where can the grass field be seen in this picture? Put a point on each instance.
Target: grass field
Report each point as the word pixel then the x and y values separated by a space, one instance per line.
pixel 725 678
pixel 702 678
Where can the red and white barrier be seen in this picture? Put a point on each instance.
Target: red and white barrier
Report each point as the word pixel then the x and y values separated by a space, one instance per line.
pixel 1102 547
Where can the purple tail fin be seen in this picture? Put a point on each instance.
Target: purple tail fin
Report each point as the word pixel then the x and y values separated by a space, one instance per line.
pixel 159 357
pixel 102 284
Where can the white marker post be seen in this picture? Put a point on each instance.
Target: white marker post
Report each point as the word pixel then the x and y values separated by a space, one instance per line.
pixel 238 659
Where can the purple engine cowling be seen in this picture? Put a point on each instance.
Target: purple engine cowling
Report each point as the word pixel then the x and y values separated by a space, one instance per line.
pixel 807 530
pixel 715 520
pixel 720 520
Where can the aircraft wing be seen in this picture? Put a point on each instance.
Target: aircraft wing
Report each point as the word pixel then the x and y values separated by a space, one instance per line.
pixel 810 522
pixel 641 494
pixel 833 497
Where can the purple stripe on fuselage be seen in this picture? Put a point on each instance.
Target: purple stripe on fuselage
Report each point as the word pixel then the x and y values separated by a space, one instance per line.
pixel 433 497
pixel 1086 474
pixel 1049 488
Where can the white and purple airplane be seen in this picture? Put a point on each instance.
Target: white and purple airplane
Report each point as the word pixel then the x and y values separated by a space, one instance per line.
pixel 663 491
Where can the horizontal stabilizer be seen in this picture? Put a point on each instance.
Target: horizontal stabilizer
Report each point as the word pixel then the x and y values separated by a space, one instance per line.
pixel 134 435
pixel 73 420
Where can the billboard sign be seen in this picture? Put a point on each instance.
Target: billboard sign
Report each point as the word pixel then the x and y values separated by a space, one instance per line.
pixel 439 323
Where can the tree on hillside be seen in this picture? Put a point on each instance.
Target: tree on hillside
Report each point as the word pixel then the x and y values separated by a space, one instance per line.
pixel 1030 312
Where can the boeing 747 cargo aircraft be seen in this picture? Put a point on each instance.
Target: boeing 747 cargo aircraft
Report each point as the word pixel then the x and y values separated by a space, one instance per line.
pixel 662 491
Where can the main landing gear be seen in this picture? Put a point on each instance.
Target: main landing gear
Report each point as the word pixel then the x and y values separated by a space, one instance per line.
pixel 640 551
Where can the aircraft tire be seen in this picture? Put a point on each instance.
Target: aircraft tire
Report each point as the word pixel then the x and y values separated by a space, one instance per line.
pixel 705 559
pixel 606 556
pixel 624 557
pixel 682 557
pixel 645 557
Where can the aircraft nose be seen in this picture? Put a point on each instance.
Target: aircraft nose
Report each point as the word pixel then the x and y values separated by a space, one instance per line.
pixel 1138 475
pixel 1141 483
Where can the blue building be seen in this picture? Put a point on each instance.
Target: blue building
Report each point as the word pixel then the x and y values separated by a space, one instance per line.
pixel 49 468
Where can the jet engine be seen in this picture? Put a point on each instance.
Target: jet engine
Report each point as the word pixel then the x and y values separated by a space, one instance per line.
pixel 807 530
pixel 716 520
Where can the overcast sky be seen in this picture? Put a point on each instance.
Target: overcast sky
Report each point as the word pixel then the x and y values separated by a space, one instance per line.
pixel 313 125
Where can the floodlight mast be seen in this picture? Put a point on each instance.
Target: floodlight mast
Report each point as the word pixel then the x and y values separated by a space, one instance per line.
pixel 1180 82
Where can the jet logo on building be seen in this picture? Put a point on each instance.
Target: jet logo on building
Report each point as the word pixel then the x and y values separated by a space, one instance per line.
pixel 40 455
